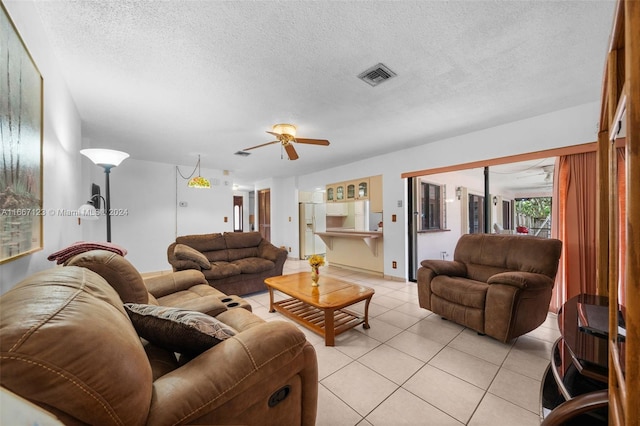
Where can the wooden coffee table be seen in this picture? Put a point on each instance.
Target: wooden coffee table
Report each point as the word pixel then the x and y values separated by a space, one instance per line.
pixel 320 309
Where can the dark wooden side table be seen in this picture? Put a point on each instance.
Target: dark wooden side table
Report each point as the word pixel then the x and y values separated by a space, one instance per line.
pixel 579 364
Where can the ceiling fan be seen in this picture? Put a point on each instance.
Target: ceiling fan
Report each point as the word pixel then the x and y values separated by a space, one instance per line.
pixel 286 134
pixel 531 175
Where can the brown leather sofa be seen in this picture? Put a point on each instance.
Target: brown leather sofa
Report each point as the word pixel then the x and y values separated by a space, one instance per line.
pixel 499 285
pixel 68 346
pixel 232 262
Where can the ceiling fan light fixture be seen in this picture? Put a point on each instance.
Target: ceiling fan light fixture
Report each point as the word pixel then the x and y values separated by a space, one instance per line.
pixel 285 129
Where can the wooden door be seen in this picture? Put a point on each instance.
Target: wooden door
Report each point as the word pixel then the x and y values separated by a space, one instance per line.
pixel 238 216
pixel 264 214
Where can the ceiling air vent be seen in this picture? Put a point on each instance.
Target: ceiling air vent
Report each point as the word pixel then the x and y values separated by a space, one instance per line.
pixel 242 153
pixel 376 74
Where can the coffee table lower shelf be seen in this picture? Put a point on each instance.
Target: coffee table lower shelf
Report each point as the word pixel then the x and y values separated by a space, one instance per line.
pixel 327 323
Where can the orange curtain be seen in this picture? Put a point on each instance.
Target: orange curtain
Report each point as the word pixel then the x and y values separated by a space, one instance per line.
pixel 574 222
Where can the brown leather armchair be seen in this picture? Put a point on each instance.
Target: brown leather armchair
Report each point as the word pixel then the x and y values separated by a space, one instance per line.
pixel 68 346
pixel 499 285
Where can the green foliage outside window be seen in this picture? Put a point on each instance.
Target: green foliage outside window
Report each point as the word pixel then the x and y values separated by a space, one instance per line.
pixel 537 208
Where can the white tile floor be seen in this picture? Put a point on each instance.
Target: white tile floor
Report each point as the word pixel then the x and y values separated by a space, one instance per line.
pixel 414 368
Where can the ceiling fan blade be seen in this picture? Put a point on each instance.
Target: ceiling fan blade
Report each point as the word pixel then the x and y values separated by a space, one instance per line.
pixel 277 135
pixel 313 141
pixel 291 152
pixel 258 146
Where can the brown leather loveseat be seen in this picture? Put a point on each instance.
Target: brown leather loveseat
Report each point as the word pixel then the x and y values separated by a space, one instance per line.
pixel 499 285
pixel 68 345
pixel 232 262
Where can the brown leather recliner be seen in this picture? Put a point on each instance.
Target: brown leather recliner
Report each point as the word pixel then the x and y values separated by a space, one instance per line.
pixel 67 345
pixel 499 285
pixel 186 289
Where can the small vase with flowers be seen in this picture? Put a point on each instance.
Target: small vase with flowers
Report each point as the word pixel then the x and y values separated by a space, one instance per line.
pixel 315 261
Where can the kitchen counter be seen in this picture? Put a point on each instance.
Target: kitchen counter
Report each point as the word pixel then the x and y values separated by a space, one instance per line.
pixel 350 231
pixel 345 247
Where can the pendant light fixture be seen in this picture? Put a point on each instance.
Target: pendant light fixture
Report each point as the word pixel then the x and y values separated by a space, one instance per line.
pixel 196 181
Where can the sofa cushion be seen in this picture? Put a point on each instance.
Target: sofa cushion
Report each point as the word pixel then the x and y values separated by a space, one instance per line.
pixel 237 240
pixel 117 271
pixel 482 272
pixel 182 265
pixel 184 252
pixel 242 253
pixel 253 265
pixel 177 330
pixel 202 298
pixel 461 291
pixel 221 270
pixel 204 242
pixel 217 255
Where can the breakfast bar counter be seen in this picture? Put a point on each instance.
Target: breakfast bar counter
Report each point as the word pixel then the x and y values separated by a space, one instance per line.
pixel 361 250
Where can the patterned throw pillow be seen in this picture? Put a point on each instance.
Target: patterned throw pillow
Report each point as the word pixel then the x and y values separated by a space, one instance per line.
pixel 184 252
pixel 178 330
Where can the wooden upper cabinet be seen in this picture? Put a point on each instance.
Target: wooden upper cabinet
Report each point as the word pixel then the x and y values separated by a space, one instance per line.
pixel 357 189
pixel 351 191
pixel 375 194
pixel 331 194
pixel 362 186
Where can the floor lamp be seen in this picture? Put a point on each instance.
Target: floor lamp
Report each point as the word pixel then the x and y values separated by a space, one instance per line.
pixel 108 159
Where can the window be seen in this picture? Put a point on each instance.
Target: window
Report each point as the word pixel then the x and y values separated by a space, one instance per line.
pixel 432 210
pixel 476 214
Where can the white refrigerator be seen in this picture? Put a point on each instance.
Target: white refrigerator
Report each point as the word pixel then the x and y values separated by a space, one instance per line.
pixel 361 215
pixel 312 219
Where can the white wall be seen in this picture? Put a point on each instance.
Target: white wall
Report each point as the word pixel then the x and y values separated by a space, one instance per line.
pixel 61 142
pixel 150 194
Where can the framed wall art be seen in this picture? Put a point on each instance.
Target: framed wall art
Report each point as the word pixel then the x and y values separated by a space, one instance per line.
pixel 21 118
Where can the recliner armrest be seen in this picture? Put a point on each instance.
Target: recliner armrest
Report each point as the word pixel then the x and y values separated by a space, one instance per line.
pixel 524 280
pixel 452 268
pixel 229 370
pixel 165 284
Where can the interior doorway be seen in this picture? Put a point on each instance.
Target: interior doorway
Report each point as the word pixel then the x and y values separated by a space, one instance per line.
pixel 238 218
pixel 264 213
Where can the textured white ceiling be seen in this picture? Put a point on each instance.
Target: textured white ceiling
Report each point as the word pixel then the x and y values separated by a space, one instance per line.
pixel 166 81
